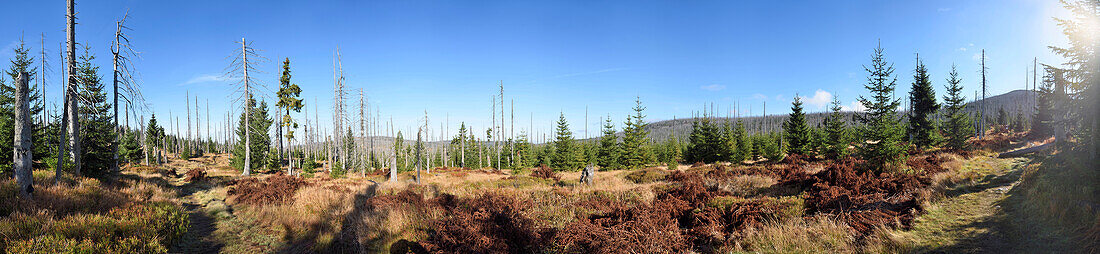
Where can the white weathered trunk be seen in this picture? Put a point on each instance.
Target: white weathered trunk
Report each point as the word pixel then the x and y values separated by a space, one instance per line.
pixel 22 157
pixel 247 112
pixel 73 113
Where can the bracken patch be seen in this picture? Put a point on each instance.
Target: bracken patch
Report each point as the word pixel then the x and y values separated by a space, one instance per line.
pixel 278 188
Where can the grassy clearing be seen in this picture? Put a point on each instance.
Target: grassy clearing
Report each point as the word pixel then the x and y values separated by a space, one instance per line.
pixel 138 214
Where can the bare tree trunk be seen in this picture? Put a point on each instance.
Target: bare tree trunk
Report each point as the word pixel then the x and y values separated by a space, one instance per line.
pixel 73 113
pixel 62 141
pixel 114 81
pixel 247 112
pixel 393 164
pixel 22 157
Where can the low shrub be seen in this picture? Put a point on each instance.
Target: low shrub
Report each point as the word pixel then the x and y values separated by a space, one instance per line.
pixel 138 228
pixel 196 174
pixel 647 175
pixel 545 172
pixel 275 189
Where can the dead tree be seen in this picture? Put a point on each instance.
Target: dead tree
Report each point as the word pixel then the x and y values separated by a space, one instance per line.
pixel 41 82
pixel 70 119
pixel 362 126
pixel 423 147
pixel 23 157
pixel 981 106
pixel 239 68
pixel 338 110
pixel 122 74
pixel 187 108
pixel 393 161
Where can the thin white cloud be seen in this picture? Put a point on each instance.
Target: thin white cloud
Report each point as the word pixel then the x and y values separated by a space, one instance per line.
pixel 962 49
pixel 760 96
pixel 819 100
pixel 977 57
pixel 853 106
pixel 943 9
pixel 713 87
pixel 204 79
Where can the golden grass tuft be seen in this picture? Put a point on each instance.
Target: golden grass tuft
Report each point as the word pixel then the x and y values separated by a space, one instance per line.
pixel 818 234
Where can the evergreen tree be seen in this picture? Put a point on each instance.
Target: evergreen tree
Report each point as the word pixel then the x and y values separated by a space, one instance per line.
pixel 797 132
pixel 610 150
pixel 635 139
pixel 289 102
pixel 704 143
pixel 881 128
pixel 525 154
pixel 922 128
pixel 399 148
pixel 727 142
pixel 154 138
pixel 97 127
pixel 1002 116
pixel 21 62
pixel 958 126
pixel 744 145
pixel 566 156
pixel 837 137
pixel 131 151
pixel 672 151
pixel 260 123
pixel 1042 122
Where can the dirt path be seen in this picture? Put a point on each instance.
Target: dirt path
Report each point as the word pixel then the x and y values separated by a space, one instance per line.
pixel 205 201
pixel 982 217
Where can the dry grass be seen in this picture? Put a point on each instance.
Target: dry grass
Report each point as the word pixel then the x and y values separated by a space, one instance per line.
pixel 744 185
pixel 817 234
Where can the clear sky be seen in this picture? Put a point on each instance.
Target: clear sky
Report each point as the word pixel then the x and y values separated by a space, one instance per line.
pixel 446 57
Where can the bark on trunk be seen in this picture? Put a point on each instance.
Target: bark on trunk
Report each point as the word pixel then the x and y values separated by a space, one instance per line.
pixel 23 147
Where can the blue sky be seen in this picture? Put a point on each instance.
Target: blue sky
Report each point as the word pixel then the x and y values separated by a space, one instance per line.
pixel 446 58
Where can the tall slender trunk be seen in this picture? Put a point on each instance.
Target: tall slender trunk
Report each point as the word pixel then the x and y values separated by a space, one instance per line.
pixel 22 156
pixel 247 112
pixel 73 112
pixel 114 81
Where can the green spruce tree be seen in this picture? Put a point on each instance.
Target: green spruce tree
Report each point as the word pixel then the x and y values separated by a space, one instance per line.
pixel 22 62
pixel 131 151
pixel 288 102
pixel 922 126
pixel 635 139
pixel 154 138
pixel 797 132
pixel 98 132
pixel 744 145
pixel 567 155
pixel 837 136
pixel 260 123
pixel 610 150
pixel 881 128
pixel 958 126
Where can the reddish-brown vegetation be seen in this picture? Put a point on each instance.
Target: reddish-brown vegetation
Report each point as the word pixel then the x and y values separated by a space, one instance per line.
pixel 863 199
pixel 277 188
pixel 195 175
pixel 545 172
pixel 490 223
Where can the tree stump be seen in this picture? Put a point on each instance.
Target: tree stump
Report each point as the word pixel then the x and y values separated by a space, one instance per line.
pixel 588 174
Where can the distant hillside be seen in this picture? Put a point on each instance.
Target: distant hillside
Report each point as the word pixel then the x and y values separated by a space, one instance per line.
pixel 1012 102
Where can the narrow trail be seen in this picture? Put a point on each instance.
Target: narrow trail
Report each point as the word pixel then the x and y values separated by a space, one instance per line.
pixel 198 198
pixel 983 217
